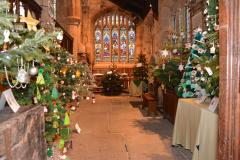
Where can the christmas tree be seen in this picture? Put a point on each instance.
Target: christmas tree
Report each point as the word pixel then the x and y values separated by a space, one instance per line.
pixel 174 56
pixel 201 70
pixel 112 82
pixel 140 72
pixel 30 62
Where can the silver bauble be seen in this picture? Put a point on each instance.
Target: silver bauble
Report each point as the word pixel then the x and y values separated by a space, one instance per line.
pixel 23 76
pixel 33 71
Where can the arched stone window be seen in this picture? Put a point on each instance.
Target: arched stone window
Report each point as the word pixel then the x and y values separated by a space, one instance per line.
pixel 115 38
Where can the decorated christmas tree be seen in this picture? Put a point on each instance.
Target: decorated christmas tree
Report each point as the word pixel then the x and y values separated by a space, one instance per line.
pixel 140 72
pixel 31 60
pixel 173 58
pixel 112 82
pixel 201 70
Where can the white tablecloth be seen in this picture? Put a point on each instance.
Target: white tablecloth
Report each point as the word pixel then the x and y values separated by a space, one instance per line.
pixel 135 90
pixel 196 126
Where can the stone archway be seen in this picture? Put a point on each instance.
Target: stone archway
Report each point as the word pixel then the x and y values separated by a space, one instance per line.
pixel 229 109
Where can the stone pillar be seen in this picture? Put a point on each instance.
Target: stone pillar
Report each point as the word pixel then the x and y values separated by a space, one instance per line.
pixel 69 17
pixel 229 109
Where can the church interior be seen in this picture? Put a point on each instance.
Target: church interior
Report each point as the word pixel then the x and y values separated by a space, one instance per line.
pixel 119 80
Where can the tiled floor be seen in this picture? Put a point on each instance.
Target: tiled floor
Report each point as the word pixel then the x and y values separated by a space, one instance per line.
pixel 113 129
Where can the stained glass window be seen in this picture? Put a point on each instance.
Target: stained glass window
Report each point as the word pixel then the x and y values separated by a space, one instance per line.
pixel 115 44
pixel 115 38
pixel 106 44
pixel 123 47
pixel 131 45
pixel 98 44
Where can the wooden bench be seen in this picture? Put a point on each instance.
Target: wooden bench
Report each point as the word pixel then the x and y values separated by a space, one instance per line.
pixel 150 101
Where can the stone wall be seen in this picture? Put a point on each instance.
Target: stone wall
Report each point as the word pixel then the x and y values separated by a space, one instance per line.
pixel 22 134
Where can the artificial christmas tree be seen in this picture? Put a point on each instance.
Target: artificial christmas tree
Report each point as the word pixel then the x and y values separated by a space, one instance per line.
pixel 201 70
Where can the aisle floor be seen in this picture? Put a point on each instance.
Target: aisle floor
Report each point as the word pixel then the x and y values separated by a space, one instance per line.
pixel 115 129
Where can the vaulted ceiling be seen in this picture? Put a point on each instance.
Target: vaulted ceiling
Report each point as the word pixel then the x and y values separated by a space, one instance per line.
pixel 139 8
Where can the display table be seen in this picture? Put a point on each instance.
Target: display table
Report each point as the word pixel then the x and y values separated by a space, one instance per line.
pixel 196 129
pixel 135 90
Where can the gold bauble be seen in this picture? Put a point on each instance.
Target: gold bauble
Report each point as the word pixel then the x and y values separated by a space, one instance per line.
pixel 78 73
pixel 64 70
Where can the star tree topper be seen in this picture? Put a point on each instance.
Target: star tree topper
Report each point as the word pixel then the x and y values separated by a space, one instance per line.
pixel 30 21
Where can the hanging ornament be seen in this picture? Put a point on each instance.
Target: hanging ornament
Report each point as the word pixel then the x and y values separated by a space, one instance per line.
pixel 165 53
pixel 6 34
pixel 78 129
pixel 181 67
pixel 209 71
pixel 78 74
pixel 202 79
pixel 73 108
pixel 49 152
pixel 62 82
pixel 73 76
pixel 199 29
pixel 205 11
pixel 45 109
pixel 55 93
pixel 47 49
pixel 61 143
pixel 199 68
pixel 58 58
pixel 175 51
pixel 33 70
pixel 195 47
pixel 60 36
pixel 23 76
pixel 187 45
pixel 73 95
pixel 55 124
pixel 169 77
pixel 30 21
pixel 163 66
pixel 55 110
pixel 40 79
pixel 38 94
pixel 213 49
pixel 201 51
pixel 35 101
pixel 66 119
pixel 216 27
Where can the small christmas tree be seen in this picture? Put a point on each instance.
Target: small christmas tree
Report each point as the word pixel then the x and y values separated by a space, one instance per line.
pixel 112 82
pixel 140 72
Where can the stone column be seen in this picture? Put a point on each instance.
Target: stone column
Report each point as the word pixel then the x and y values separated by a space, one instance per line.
pixel 229 109
pixel 73 23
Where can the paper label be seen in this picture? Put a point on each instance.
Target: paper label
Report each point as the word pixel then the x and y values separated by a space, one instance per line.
pixel 209 70
pixel 9 97
pixel 213 105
